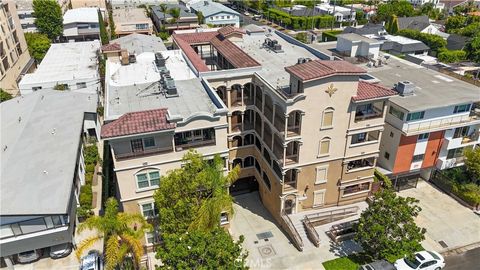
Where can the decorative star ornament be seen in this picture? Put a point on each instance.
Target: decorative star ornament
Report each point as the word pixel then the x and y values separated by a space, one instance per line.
pixel 331 90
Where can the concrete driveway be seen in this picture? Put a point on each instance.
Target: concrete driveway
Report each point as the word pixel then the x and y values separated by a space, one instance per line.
pixel 252 220
pixel 449 224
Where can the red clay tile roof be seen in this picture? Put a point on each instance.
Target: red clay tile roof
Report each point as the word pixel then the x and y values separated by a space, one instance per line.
pixel 111 47
pixel 317 69
pixel 194 58
pixel 367 90
pixel 196 38
pixel 228 30
pixel 236 56
pixel 137 123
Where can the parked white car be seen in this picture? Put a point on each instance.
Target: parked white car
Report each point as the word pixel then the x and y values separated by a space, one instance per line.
pixel 424 260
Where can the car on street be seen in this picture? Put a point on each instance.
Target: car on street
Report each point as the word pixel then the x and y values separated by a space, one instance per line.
pixel 378 265
pixel 246 13
pixel 29 256
pixel 424 260
pixel 60 251
pixel 92 261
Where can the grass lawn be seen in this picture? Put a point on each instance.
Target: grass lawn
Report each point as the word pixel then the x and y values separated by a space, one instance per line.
pixel 351 262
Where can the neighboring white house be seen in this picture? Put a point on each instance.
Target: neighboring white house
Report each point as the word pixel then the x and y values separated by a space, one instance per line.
pixel 216 13
pixel 354 45
pixel 135 3
pixel 436 3
pixel 66 66
pixel 81 24
pixel 341 14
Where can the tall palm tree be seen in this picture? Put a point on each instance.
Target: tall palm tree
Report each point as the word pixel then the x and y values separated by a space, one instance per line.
pixel 121 232
pixel 164 10
pixel 217 199
pixel 175 13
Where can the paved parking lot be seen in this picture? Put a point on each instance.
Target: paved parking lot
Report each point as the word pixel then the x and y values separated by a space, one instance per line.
pixel 444 218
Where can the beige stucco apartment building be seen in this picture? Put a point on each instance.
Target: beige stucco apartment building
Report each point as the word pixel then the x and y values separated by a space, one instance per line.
pixel 14 57
pixel 131 20
pixel 88 3
pixel 305 131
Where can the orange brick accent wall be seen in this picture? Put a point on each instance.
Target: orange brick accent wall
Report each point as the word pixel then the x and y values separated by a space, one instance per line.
pixel 435 140
pixel 405 151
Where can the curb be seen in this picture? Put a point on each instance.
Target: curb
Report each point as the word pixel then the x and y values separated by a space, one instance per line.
pixel 459 250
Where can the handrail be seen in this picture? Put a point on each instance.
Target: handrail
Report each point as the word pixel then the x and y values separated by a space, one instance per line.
pixel 294 233
pixel 312 234
pixel 152 151
pixel 437 123
pixel 351 209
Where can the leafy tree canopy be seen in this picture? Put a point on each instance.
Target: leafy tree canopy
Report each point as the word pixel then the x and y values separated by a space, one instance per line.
pixel 473 49
pixel 472 162
pixel 435 42
pixel 387 230
pixel 201 250
pixel 4 96
pixel 193 197
pixel 48 17
pixel 38 45
pixel 395 7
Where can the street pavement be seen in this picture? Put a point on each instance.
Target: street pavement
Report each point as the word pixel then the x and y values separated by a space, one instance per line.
pixel 469 260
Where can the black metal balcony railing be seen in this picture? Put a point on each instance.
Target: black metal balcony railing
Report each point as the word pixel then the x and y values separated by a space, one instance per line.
pixel 361 116
pixel 145 152
pixel 183 146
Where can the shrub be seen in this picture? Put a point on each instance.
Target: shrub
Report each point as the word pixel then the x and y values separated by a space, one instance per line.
pixel 436 43
pixel 90 168
pixel 451 56
pixel 91 154
pixel 86 196
pixel 163 35
pixel 378 176
pixel 100 110
pixel 330 35
pixel 301 37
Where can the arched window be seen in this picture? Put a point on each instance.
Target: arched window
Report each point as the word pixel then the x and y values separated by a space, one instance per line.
pixel 249 139
pixel 249 162
pixel 147 178
pixel 238 162
pixel 324 146
pixel 327 118
pixel 237 141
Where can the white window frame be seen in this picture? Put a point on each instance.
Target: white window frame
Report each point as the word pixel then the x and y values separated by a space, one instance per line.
pixel 149 180
pixel 319 154
pixel 327 110
pixel 321 168
pixel 152 203
pixel 316 204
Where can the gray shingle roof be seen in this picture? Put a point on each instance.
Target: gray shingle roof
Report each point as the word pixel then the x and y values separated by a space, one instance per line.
pixel 456 42
pixel 139 43
pixel 368 29
pixel 414 23
pixel 209 8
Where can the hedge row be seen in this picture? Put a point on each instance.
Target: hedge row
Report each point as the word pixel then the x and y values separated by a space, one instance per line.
pixel 86 194
pixel 299 23
pixel 435 42
pixel 330 35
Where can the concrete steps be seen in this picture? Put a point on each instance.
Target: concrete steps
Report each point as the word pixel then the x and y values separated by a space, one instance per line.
pixel 307 244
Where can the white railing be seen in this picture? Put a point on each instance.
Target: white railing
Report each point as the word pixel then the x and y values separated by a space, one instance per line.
pixel 438 123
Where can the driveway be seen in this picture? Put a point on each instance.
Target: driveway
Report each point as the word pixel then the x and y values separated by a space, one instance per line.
pixel 69 262
pixel 449 224
pixel 254 222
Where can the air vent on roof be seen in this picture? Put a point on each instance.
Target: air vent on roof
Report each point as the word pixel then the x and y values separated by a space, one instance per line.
pixel 405 88
pixel 302 60
pixel 132 58
pixel 159 60
pixel 168 84
pixel 273 45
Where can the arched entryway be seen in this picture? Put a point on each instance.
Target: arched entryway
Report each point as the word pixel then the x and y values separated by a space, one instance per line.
pixel 289 204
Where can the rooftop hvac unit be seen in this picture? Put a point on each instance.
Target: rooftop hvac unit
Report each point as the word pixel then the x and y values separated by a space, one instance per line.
pixel 170 87
pixel 132 58
pixel 159 60
pixel 302 60
pixel 405 88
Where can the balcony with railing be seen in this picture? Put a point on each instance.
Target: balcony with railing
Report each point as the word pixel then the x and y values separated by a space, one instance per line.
pixel 294 123
pixel 359 164
pixel 144 152
pixel 369 111
pixel 248 94
pixel 196 138
pixel 290 180
pixel 443 123
pixel 236 121
pixel 236 96
pixel 292 153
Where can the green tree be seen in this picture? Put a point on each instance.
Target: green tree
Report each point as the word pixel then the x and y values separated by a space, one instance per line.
pixel 193 197
pixel 201 250
pixel 164 10
pixel 387 230
pixel 454 22
pixel 473 49
pixel 200 17
pixel 175 13
pixel 436 43
pixel 451 56
pixel 302 36
pixel 121 232
pixel 4 96
pixel 48 17
pixel 398 8
pixel 38 45
pixel 103 30
pixel 472 163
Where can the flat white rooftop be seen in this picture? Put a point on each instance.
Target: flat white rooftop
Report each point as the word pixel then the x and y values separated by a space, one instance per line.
pixel 273 64
pixel 400 39
pixel 84 15
pixel 66 62
pixel 135 87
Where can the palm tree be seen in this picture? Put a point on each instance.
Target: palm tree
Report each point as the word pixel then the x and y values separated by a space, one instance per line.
pixel 217 199
pixel 175 13
pixel 121 232
pixel 164 9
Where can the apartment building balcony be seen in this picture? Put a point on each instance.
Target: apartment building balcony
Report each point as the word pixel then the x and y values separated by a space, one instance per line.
pixel 290 180
pixel 294 123
pixel 144 152
pixel 196 138
pixel 369 111
pixel 222 94
pixel 359 164
pixel 441 124
pixel 292 153
pixel 236 96
pixel 470 138
pixel 236 121
pixel 248 94
pixel 446 163
pixel 190 144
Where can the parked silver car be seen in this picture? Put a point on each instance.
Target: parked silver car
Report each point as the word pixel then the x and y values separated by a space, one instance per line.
pixel 29 256
pixel 378 265
pixel 60 251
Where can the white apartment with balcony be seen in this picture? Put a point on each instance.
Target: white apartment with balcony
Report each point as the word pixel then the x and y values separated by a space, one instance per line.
pixel 429 124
